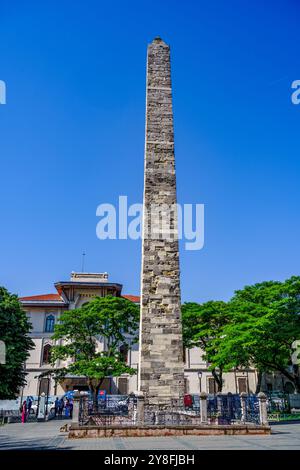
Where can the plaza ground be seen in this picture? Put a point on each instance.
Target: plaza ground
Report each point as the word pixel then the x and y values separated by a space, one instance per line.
pixel 46 436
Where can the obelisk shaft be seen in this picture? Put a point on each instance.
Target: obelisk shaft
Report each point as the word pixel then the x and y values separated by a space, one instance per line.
pixel 161 375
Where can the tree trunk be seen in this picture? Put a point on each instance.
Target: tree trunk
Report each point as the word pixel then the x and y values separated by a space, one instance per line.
pixel 297 378
pixel 95 399
pixel 259 380
pixel 95 395
pixel 218 378
pixel 297 382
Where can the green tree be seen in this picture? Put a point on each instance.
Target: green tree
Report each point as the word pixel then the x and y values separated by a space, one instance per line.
pixel 14 330
pixel 202 324
pixel 264 323
pixel 115 319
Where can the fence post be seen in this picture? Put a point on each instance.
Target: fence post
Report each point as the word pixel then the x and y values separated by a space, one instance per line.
pixel 230 406
pixel 203 408
pixel 219 406
pixel 263 414
pixel 76 405
pixel 243 397
pixel 140 408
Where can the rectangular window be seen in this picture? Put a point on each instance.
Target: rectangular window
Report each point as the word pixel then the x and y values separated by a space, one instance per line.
pixel 123 386
pixel 242 385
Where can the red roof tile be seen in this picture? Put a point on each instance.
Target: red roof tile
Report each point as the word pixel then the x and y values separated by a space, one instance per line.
pixel 133 298
pixel 53 297
pixel 42 297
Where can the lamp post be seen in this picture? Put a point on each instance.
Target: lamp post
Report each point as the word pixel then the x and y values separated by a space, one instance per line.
pixel 39 396
pixel 200 377
pixel 47 399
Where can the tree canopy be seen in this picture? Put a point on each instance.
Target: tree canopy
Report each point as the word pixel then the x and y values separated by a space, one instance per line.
pixel 115 319
pixel 202 324
pixel 256 328
pixel 264 323
pixel 14 332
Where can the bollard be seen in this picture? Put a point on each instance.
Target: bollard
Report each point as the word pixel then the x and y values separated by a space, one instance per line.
pixel 243 397
pixel 203 408
pixel 263 414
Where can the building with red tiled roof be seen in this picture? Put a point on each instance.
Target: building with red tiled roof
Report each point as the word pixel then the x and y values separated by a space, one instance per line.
pixel 42 297
pixel 45 298
pixel 43 311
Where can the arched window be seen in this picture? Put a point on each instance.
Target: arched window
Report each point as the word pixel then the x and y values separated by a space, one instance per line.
pixel 46 354
pixel 49 327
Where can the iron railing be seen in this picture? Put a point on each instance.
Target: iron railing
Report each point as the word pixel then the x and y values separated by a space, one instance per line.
pixel 121 410
pixel 228 409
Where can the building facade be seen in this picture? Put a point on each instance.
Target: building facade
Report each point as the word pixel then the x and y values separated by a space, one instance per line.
pixel 43 312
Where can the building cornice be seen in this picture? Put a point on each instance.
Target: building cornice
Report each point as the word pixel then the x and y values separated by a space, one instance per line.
pixel 43 303
pixel 87 284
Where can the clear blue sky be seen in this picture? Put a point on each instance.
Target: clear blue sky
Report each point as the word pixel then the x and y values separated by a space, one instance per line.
pixel 72 137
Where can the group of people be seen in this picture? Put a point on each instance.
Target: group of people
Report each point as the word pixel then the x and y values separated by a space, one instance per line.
pixel 63 407
pixel 60 405
pixel 26 409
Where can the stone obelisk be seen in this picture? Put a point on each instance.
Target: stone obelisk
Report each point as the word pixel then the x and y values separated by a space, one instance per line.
pixel 161 376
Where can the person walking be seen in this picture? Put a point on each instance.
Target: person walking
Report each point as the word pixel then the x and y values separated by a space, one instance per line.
pixel 24 412
pixel 67 408
pixel 29 405
pixel 71 409
pixel 61 406
pixel 56 407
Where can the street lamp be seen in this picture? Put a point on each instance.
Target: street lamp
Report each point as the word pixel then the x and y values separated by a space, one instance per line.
pixel 199 377
pixel 47 399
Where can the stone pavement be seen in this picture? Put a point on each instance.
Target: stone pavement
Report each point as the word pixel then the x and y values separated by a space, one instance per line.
pixel 46 436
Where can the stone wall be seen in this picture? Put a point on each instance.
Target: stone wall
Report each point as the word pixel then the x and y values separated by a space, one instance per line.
pixel 82 432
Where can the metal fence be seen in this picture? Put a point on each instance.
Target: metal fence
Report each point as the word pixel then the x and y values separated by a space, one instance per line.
pixel 106 410
pixel 283 407
pixel 121 410
pixel 278 402
pixel 171 414
pixel 227 409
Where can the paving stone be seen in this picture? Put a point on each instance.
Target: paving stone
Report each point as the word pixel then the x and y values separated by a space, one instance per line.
pixel 47 436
